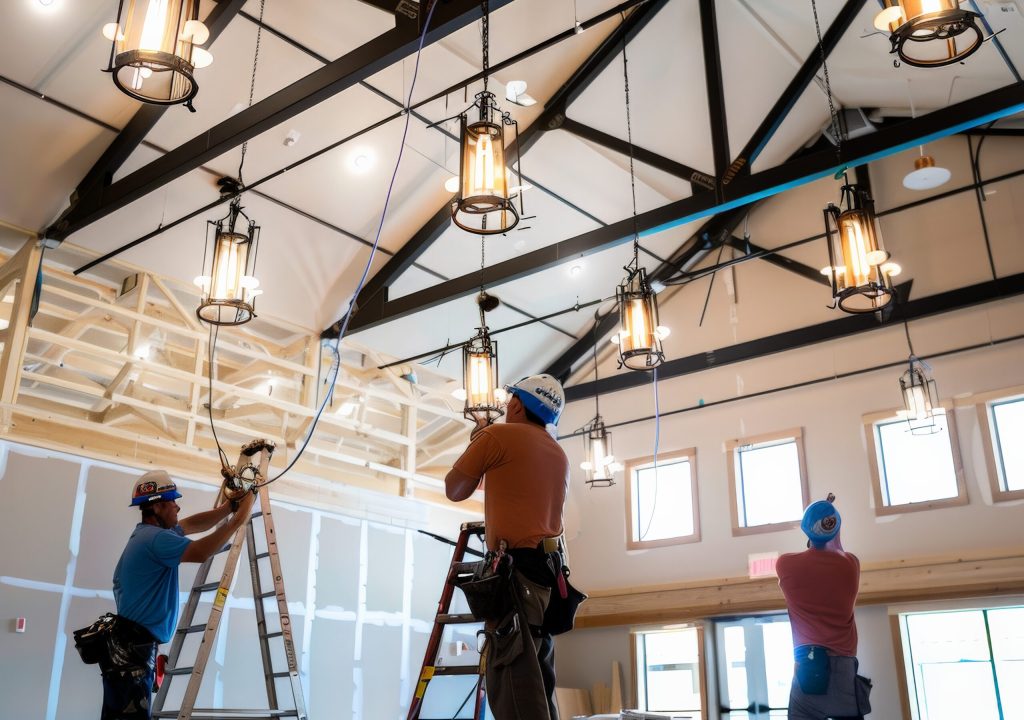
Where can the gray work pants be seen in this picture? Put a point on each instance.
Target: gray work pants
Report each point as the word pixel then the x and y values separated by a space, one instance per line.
pixel 519 668
pixel 845 699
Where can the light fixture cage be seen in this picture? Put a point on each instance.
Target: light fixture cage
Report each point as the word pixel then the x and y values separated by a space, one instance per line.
pixel 229 285
pixel 483 192
pixel 480 378
pixel 640 334
pixel 600 464
pixel 924 33
pixel 155 50
pixel 859 268
pixel 920 399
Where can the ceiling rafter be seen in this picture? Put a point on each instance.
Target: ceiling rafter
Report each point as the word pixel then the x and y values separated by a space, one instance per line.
pixel 363 62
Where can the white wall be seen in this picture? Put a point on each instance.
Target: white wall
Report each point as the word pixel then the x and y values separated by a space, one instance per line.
pixel 362 596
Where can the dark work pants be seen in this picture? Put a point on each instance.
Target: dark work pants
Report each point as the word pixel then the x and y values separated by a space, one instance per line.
pixel 520 659
pixel 839 702
pixel 128 694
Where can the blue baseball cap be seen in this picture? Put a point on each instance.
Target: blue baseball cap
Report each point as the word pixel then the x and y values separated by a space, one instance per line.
pixel 821 522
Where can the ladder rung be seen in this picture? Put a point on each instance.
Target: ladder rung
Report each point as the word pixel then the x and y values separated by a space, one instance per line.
pixel 268 594
pixel 282 674
pixel 223 549
pixel 223 714
pixel 207 587
pixel 455 619
pixel 258 513
pixel 191 629
pixel 268 636
pixel 178 671
pixel 456 670
pixel 262 555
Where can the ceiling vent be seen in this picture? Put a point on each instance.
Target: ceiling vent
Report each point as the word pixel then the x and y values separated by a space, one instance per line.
pixel 854 123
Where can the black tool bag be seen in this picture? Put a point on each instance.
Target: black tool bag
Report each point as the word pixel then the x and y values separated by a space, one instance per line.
pixel 487 587
pixel 812 669
pixel 91 642
pixel 116 643
pixel 563 604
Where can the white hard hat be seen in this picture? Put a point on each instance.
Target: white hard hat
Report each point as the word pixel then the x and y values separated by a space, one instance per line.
pixel 540 394
pixel 153 486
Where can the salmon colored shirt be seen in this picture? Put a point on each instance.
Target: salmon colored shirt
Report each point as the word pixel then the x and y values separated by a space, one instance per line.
pixel 526 474
pixel 821 589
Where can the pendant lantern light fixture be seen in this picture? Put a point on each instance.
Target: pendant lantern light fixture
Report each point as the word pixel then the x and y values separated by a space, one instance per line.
pixel 926 175
pixel 920 395
pixel 483 190
pixel 929 33
pixel 155 50
pixel 859 267
pixel 640 333
pixel 229 284
pixel 600 464
pixel 483 396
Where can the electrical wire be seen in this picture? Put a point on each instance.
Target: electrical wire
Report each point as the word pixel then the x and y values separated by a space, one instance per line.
pixel 336 364
pixel 211 345
pixel 657 442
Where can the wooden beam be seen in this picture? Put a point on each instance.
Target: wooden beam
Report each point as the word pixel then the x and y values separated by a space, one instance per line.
pixel 968 574
pixel 22 268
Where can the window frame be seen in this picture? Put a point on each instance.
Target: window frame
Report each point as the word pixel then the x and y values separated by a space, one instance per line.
pixel 636 631
pixel 690 455
pixel 983 406
pixel 870 423
pixel 732 446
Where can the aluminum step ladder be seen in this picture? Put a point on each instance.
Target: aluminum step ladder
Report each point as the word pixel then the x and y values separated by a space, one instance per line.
pixel 250 471
pixel 431 668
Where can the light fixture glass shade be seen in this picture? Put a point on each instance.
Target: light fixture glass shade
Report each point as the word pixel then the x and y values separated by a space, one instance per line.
pixel 483 191
pixel 926 175
pixel 920 399
pixel 640 334
pixel 230 287
pixel 480 378
pixel 924 33
pixel 600 464
pixel 154 50
pixel 859 267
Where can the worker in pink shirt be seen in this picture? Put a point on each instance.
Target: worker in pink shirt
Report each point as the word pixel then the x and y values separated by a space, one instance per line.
pixel 820 586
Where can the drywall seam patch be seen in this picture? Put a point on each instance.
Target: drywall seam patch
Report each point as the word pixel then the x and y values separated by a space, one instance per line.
pixel 357 654
pixel 307 620
pixel 406 621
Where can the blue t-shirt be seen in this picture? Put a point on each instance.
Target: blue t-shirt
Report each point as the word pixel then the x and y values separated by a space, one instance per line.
pixel 146 578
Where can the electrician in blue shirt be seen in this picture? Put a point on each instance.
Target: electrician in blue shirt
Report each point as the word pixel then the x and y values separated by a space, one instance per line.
pixel 146 587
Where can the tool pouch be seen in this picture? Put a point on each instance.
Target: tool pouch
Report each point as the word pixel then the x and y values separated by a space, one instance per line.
pixel 813 669
pixel 487 587
pixel 91 642
pixel 565 601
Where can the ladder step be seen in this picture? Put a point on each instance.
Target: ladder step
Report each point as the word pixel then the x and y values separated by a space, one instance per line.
pixel 268 594
pixel 206 587
pixel 191 629
pixel 221 714
pixel 455 619
pixel 223 549
pixel 258 513
pixel 282 674
pixel 178 671
pixel 456 670
pixel 262 555
pixel 268 636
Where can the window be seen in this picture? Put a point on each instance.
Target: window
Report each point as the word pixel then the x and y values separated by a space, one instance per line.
pixel 669 670
pixel 964 663
pixel 767 482
pixel 662 502
pixel 1002 421
pixel 755 665
pixel 914 472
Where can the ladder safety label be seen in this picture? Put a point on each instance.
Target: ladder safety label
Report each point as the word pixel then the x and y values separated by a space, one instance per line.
pixel 222 597
pixel 425 676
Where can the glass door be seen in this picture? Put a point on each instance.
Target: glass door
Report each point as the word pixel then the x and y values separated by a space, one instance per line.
pixel 755 666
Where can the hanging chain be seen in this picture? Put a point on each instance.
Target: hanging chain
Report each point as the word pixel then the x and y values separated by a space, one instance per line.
pixel 483 245
pixel 252 84
pixel 833 115
pixel 597 395
pixel 910 345
pixel 629 142
pixel 486 30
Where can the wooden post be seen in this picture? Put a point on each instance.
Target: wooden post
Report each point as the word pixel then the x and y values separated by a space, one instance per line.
pixel 22 268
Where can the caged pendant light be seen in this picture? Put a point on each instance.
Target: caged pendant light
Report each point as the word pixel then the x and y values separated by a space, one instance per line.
pixel 229 286
pixel 155 50
pixel 600 464
pixel 483 191
pixel 920 395
pixel 859 267
pixel 485 399
pixel 925 33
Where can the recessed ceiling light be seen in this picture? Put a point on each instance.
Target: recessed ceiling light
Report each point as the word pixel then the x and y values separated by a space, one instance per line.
pixel 46 3
pixel 575 270
pixel 362 159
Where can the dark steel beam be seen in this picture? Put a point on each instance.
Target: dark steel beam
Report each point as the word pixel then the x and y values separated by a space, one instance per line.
pixel 742 191
pixel 715 89
pixel 101 174
pixel 780 261
pixel 804 76
pixel 368 59
pixel 687 173
pixel 792 339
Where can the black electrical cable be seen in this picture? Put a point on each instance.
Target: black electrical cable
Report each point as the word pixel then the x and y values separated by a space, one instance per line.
pixel 212 343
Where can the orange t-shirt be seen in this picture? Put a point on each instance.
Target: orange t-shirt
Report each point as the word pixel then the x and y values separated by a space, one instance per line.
pixel 821 590
pixel 526 474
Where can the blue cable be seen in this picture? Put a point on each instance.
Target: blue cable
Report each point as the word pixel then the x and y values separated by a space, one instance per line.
pixel 336 363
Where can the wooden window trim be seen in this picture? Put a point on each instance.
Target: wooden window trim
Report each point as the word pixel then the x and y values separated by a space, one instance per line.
pixel 896 626
pixel 797 435
pixel 689 454
pixel 881 509
pixel 634 663
pixel 984 410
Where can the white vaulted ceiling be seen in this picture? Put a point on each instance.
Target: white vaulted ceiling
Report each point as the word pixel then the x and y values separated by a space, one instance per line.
pixel 319 218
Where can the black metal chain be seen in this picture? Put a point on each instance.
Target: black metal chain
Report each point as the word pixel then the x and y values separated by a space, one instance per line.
pixel 252 84
pixel 486 31
pixel 833 115
pixel 629 142
pixel 910 345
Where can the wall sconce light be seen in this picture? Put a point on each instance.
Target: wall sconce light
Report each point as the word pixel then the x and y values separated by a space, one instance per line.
pixel 154 50
pixel 859 267
pixel 924 33
pixel 230 287
pixel 639 336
